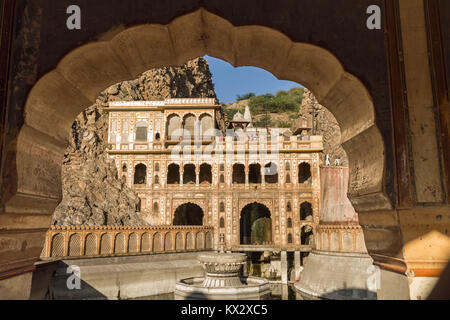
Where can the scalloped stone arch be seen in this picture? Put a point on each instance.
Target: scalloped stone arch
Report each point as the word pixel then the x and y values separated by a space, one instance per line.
pixel 268 204
pixel 34 185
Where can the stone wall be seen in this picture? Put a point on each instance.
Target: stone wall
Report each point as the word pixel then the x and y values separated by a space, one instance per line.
pixel 123 278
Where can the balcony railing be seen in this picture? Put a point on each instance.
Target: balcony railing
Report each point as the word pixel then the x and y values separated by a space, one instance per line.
pixel 85 241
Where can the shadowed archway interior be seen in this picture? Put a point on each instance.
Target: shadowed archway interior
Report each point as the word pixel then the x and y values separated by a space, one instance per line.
pixel 188 214
pixel 255 224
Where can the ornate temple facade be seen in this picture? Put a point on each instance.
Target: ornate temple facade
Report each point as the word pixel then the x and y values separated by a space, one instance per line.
pixel 258 187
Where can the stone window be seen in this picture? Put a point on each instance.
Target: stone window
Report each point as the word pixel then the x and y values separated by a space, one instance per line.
pixel 288 178
pixel 189 126
pixel 124 167
pixel 222 207
pixel 141 132
pixel 271 173
pixel 222 223
pixel 254 173
pixel 206 126
pixel 157 167
pixel 222 167
pixel 306 211
pixel 156 179
pixel 174 127
pixel 304 172
pixel 140 174
pixel 173 175
pixel 289 223
pixel 155 208
pixel 239 173
pixel 289 238
pixel 189 175
pixel 288 207
pixel 125 132
pixel 205 173
pixel 113 132
pixel 222 178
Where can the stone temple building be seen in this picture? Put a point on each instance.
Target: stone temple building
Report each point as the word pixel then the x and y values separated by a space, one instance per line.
pixel 258 187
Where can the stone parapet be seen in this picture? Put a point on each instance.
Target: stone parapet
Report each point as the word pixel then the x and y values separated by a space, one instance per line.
pixel 340 238
pixel 91 241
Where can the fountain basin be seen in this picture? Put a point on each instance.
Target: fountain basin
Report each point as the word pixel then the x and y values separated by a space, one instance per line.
pixel 222 281
pixel 251 288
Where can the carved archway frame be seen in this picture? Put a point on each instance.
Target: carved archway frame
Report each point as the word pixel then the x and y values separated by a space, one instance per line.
pixel 268 203
pixel 202 203
pixel 33 184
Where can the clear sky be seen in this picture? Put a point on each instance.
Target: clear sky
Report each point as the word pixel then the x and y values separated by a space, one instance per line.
pixel 230 81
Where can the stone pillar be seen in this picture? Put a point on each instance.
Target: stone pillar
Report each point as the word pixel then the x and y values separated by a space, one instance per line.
pixel 247 170
pixel 197 176
pixel 181 174
pixel 297 265
pixel 284 268
pixel 263 177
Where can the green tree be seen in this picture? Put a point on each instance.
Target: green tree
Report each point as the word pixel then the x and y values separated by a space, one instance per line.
pixel 283 124
pixel 245 96
pixel 264 121
pixel 283 101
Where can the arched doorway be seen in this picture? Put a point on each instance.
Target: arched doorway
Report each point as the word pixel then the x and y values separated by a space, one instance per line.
pixel 188 214
pixel 255 224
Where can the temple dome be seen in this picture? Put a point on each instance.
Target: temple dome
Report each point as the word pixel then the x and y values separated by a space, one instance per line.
pixel 247 114
pixel 238 117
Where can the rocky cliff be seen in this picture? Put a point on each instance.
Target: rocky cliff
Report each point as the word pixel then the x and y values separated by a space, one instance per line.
pixel 92 192
pixel 326 125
